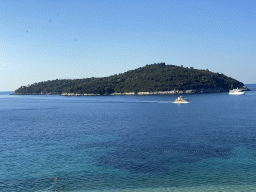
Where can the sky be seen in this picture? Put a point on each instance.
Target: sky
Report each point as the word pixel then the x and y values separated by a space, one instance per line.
pixel 44 40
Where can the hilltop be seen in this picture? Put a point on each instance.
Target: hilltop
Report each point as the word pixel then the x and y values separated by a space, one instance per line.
pixel 150 78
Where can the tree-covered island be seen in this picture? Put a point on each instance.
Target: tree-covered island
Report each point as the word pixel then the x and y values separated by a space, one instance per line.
pixel 151 79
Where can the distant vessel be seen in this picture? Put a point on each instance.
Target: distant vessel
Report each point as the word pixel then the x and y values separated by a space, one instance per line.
pixel 236 92
pixel 180 99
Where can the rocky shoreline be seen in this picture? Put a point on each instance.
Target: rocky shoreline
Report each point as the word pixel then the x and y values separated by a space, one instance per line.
pixel 173 92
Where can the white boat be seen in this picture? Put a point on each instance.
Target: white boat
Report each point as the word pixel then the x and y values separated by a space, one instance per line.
pixel 180 99
pixel 236 92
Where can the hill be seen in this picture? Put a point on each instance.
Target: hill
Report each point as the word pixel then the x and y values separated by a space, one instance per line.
pixel 150 78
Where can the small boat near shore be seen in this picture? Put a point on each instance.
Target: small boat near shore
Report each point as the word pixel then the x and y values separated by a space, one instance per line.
pixel 236 92
pixel 180 99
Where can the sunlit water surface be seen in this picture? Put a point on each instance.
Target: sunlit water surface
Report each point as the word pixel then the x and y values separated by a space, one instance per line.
pixel 128 143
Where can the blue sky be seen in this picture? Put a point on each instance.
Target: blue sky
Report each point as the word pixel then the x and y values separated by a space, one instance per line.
pixel 44 40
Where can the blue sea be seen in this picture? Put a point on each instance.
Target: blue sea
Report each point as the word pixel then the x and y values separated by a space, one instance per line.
pixel 128 143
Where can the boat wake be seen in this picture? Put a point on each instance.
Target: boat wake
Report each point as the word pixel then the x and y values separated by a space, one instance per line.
pixel 180 103
pixel 118 101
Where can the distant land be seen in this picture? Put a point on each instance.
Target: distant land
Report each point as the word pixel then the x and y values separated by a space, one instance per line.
pixel 151 79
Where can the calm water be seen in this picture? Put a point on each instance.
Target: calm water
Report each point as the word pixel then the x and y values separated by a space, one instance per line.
pixel 128 143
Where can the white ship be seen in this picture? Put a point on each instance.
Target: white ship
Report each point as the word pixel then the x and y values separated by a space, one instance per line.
pixel 180 99
pixel 236 92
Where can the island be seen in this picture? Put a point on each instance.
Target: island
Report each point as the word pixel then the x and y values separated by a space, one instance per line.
pixel 152 79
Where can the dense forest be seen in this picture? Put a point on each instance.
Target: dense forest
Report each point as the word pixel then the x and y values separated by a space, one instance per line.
pixel 150 78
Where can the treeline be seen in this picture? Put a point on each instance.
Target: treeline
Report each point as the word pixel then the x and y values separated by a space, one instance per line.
pixel 154 77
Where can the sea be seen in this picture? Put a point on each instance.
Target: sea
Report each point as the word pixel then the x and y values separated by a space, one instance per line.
pixel 128 143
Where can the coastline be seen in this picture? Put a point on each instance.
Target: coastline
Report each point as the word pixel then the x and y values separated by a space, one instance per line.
pixel 172 92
